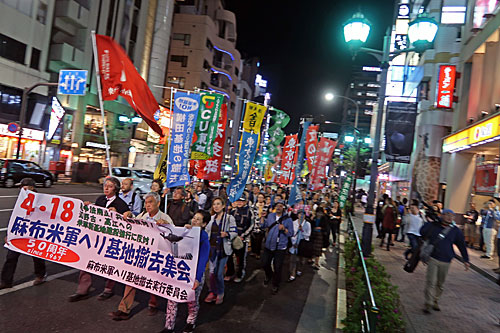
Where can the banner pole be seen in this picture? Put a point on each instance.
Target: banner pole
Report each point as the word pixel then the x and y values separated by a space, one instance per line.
pixel 238 143
pixel 101 103
pixel 168 140
pixel 297 145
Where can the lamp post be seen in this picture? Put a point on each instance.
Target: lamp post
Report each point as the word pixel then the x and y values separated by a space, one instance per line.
pixel 421 34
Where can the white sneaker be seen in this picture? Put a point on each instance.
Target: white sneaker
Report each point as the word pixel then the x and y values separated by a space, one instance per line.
pixel 238 280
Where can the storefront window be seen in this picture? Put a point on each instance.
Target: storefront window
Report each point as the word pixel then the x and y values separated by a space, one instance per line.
pixel 93 123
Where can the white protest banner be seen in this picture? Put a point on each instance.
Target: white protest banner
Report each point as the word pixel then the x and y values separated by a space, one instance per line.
pixel 159 259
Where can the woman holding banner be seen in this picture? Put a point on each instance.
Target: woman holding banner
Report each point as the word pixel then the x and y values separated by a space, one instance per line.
pixel 221 231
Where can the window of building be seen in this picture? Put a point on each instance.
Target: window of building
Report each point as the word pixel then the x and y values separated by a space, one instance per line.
pixel 12 49
pixel 111 13
pixel 35 58
pixel 232 106
pixel 206 66
pixel 176 80
pixel 236 71
pixel 178 58
pixel 204 86
pixel 371 94
pixel 184 37
pixel 234 88
pixel 453 12
pixel 373 85
pixel 41 15
pixel 210 46
pixel 24 6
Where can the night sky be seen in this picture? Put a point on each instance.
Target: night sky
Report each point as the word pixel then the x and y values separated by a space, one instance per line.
pixel 302 49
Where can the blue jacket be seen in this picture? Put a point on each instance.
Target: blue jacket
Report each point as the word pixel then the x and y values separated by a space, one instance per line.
pixel 202 255
pixel 489 218
pixel 443 250
pixel 278 239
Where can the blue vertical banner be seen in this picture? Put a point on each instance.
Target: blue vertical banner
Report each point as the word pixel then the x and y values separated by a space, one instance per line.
pixel 184 119
pixel 248 151
pixel 295 194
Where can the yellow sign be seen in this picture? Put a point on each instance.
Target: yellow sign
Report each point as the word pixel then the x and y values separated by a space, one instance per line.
pixel 254 114
pixel 161 168
pixel 484 132
pixel 268 173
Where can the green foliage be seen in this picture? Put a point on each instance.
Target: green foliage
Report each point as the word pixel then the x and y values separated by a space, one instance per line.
pixel 350 157
pixel 389 317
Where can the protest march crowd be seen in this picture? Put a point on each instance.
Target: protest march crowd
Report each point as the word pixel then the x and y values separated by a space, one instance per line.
pixel 259 224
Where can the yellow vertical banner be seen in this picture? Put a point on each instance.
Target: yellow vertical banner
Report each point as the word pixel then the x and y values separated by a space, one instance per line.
pixel 254 115
pixel 161 168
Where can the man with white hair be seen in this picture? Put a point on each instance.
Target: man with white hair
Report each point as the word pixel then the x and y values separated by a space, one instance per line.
pixel 153 214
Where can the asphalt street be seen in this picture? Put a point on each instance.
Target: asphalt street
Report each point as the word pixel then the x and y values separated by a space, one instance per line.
pixel 248 306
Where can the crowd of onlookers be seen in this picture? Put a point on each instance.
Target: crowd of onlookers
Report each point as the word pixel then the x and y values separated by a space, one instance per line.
pixel 259 224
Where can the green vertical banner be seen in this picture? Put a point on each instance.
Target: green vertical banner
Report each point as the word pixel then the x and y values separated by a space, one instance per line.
pixel 205 130
pixel 344 193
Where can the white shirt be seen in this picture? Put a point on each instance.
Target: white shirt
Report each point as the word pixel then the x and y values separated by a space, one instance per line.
pixel 159 216
pixel 110 200
pixel 413 224
pixel 306 230
pixel 202 199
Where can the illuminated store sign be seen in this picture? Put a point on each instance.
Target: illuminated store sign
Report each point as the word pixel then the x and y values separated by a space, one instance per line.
pixel 447 75
pixel 484 132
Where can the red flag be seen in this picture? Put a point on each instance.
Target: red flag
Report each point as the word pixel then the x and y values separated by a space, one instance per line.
pixel 311 143
pixel 119 77
pixel 211 169
pixel 289 159
pixel 324 156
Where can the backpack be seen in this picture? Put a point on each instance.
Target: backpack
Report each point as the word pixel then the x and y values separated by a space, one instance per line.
pixel 427 247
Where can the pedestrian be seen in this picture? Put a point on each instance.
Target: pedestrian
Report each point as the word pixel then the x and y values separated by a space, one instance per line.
pixel 302 229
pixel 413 222
pixel 151 214
pixel 442 236
pixel 259 210
pixel 471 217
pixel 177 209
pixel 280 229
pixel 244 223
pixel 490 220
pixel 111 201
pixel 390 212
pixel 335 220
pixel 191 204
pixel 131 198
pixel 200 197
pixel 364 199
pixel 379 215
pixel 200 219
pixel 221 231
pixel 403 210
pixel 157 186
pixel 9 267
pixel 209 193
pixel 319 223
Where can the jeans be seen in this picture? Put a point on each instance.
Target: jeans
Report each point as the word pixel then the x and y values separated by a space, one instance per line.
pixel 216 270
pixel 489 235
pixel 414 239
pixel 434 280
pixel 241 259
pixel 9 267
pixel 267 258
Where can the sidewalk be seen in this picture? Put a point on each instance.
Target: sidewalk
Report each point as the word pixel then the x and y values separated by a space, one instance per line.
pixel 470 302
pixel 483 266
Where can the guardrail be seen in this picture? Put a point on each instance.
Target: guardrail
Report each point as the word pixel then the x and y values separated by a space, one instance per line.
pixel 370 310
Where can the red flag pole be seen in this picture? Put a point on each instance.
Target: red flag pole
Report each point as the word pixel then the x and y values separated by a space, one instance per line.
pixel 101 104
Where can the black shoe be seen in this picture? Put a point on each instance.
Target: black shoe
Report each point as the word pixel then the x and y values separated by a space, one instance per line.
pixel 188 328
pixel 266 282
pixel 485 257
pixel 77 297
pixel 104 296
pixel 119 315
pixel 427 311
pixel 5 285
pixel 436 307
pixel 275 290
pixel 166 330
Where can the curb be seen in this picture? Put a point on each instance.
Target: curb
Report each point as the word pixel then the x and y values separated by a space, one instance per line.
pixel 341 310
pixel 483 272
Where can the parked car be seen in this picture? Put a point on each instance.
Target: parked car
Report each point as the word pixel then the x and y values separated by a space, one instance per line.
pixel 13 171
pixel 142 178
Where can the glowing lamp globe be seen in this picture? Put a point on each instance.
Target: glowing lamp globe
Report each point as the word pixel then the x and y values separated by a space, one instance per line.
pixel 356 30
pixel 422 31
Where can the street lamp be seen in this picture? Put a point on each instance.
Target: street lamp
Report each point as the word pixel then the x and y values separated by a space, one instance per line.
pixel 421 34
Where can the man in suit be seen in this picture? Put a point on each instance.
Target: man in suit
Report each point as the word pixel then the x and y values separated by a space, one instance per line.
pixel 111 201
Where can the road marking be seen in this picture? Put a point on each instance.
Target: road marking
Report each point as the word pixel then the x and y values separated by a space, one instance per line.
pixel 65 194
pixel 30 283
pixel 6 210
pixel 3 229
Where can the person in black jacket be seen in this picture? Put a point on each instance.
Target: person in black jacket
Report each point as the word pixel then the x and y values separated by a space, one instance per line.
pixel 177 209
pixel 111 201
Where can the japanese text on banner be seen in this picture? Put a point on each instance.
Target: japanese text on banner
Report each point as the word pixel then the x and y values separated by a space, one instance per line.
pixel 185 115
pixel 94 239
pixel 289 159
pixel 245 161
pixel 206 126
pixel 254 114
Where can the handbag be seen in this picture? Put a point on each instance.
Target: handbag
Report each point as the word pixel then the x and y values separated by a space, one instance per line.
pixel 237 243
pixel 428 246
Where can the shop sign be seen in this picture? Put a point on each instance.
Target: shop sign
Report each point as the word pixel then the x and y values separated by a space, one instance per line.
pixel 28 133
pixel 96 145
pixel 479 134
pixel 447 74
pixel 486 178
